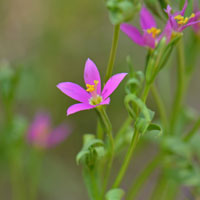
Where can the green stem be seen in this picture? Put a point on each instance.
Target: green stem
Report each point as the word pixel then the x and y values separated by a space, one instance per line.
pixel 16 179
pixel 90 182
pixel 161 106
pixel 113 52
pixel 159 188
pixel 132 147
pixel 180 86
pixel 108 128
pixel 195 128
pixel 127 159
pixel 142 178
pixel 171 191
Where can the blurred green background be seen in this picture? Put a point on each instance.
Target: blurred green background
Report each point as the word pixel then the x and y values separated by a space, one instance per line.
pixel 52 40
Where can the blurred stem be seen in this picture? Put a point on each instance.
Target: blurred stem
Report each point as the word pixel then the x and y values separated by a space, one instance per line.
pixel 161 106
pixel 195 128
pixel 159 188
pixel 108 128
pixel 112 52
pixel 16 180
pixel 90 182
pixel 171 191
pixel 123 128
pixel 142 178
pixel 35 168
pixel 180 85
pixel 100 134
pixel 132 147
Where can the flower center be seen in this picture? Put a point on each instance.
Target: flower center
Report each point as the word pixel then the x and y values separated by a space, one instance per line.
pixel 183 20
pixel 154 31
pixel 95 100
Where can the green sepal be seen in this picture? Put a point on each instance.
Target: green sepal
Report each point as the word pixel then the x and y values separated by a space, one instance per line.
pixel 135 82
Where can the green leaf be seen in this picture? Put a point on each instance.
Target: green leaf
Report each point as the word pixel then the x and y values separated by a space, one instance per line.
pixel 115 194
pixel 155 129
pixel 144 118
pixel 122 10
pixel 92 151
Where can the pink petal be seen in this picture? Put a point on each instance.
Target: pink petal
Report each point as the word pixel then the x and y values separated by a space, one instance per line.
pixel 106 101
pixel 146 19
pixel 39 128
pixel 78 107
pixel 168 10
pixel 132 33
pixel 189 24
pixel 149 40
pixel 74 91
pixel 112 84
pixel 58 135
pixel 184 8
pixel 167 31
pixel 91 74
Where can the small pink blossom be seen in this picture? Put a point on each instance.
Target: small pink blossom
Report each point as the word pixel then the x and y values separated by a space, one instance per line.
pixel 41 135
pixel 92 96
pixel 178 21
pixel 150 36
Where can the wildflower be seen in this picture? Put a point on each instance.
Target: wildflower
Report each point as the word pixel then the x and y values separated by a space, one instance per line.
pixel 178 22
pixel 92 96
pixel 150 36
pixel 41 135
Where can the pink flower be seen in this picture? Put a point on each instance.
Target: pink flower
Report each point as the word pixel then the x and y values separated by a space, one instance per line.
pixel 41 135
pixel 178 22
pixel 92 96
pixel 150 36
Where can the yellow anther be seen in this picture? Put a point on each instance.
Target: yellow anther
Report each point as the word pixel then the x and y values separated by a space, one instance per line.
pixel 154 31
pixel 183 20
pixel 192 15
pixel 179 17
pixel 92 88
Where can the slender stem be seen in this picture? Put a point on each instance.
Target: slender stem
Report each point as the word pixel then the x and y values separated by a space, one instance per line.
pixel 195 128
pixel 159 189
pixel 108 127
pixel 127 159
pixel 113 52
pixel 180 86
pixel 100 134
pixel 142 178
pixel 90 182
pixel 171 191
pixel 16 178
pixel 146 92
pixel 132 147
pixel 161 106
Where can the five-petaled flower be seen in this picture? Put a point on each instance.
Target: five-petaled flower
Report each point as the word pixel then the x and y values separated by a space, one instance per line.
pixel 41 135
pixel 178 22
pixel 92 96
pixel 150 36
